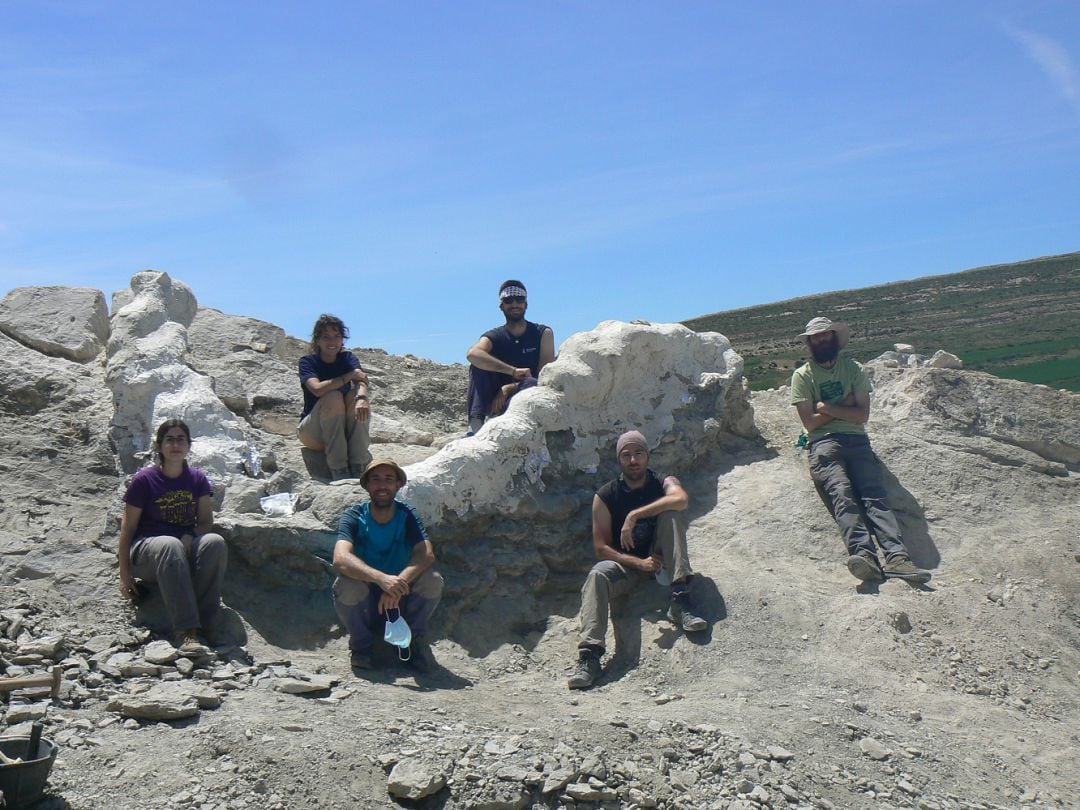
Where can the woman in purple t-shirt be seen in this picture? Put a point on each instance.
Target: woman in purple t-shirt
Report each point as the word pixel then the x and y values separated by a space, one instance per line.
pixel 165 537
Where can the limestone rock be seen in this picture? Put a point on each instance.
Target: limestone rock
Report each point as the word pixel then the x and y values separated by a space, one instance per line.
pixel 247 359
pixel 413 779
pixel 568 424
pixel 160 652
pixel 558 779
pixel 943 359
pixel 68 322
pixel 150 380
pixel 873 749
pixel 213 333
pixel 300 686
pixel 164 702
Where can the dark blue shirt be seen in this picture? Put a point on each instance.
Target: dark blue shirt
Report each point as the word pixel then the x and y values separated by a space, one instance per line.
pixel 312 365
pixel 519 352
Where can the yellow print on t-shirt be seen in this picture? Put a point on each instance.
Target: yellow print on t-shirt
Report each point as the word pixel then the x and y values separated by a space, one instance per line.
pixel 177 507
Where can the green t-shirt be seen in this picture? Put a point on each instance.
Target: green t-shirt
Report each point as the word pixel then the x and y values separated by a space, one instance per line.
pixel 813 383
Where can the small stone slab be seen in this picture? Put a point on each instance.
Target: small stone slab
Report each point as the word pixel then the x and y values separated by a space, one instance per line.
pixel 873 749
pixel 142 707
pixel 160 652
pixel 297 686
pixel 414 779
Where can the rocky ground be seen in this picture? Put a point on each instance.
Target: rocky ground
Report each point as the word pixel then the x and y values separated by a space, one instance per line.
pixel 807 690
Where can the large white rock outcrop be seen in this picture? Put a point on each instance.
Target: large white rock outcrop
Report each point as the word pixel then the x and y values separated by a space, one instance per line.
pixel 150 379
pixel 684 390
pixel 68 322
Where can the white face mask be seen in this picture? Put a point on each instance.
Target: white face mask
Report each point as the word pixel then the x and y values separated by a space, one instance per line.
pixel 399 634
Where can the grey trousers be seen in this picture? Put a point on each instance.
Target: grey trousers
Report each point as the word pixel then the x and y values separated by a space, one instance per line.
pixel 847 472
pixel 609 579
pixel 345 439
pixel 357 606
pixel 189 573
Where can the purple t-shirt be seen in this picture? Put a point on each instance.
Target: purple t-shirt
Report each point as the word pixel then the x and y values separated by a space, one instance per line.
pixel 169 505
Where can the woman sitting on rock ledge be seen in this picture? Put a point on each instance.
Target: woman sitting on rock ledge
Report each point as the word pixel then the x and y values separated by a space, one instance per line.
pixel 336 409
pixel 165 538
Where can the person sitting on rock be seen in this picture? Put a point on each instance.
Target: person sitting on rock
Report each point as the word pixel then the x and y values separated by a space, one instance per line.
pixel 508 358
pixel 383 559
pixel 165 537
pixel 637 533
pixel 832 395
pixel 336 406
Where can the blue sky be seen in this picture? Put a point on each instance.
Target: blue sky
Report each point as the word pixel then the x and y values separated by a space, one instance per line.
pixel 394 162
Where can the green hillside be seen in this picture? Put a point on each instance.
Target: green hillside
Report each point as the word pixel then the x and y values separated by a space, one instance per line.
pixel 1020 321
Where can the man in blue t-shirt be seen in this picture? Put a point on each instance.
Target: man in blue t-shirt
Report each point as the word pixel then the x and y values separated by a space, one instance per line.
pixel 832 396
pixel 508 358
pixel 637 534
pixel 336 406
pixel 383 558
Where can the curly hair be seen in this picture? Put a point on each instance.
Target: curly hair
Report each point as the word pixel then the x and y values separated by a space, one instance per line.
pixel 325 321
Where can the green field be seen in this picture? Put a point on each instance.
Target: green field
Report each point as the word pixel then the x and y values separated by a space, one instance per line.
pixel 1020 321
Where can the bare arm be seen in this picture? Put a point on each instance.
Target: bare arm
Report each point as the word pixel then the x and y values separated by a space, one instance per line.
pixel 204 520
pixel 675 499
pixel 602 541
pixel 128 524
pixel 422 558
pixel 394 586
pixel 321 388
pixel 547 349
pixel 480 356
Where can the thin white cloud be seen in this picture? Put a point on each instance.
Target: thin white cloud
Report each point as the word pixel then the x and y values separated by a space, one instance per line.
pixel 1052 58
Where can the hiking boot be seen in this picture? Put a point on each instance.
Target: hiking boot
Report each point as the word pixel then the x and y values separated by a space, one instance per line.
pixel 587 670
pixel 359 660
pixel 421 658
pixel 864 567
pixel 901 567
pixel 682 612
pixel 189 645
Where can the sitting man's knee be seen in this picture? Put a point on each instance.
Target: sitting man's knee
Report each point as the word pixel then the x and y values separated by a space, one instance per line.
pixel 430 585
pixel 350 591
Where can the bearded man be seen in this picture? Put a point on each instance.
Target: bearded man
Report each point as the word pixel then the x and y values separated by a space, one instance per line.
pixel 832 396
pixel 637 535
pixel 508 358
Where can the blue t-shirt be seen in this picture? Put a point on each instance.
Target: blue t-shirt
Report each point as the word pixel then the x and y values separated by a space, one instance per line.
pixel 169 505
pixel 312 365
pixel 387 547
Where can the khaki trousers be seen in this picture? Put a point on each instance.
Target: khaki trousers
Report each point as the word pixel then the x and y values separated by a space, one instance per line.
pixel 609 579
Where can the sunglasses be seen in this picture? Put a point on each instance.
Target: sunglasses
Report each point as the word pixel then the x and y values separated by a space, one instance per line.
pixel 514 299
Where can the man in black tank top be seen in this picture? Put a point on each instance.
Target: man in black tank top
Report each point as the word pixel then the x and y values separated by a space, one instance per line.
pixel 637 534
pixel 508 358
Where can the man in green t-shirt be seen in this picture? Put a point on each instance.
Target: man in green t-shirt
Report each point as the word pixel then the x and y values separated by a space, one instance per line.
pixel 832 395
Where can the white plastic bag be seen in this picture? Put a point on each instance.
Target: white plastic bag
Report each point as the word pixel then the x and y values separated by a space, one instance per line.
pixel 279 505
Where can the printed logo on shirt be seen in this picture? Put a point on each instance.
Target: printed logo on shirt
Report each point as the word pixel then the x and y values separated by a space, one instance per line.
pixel 177 507
pixel 832 391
